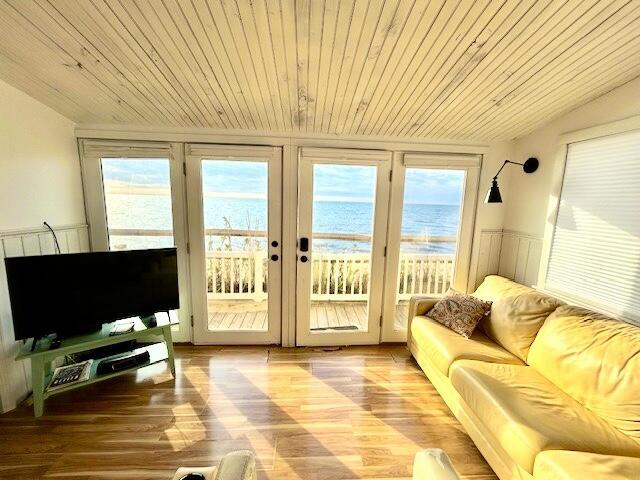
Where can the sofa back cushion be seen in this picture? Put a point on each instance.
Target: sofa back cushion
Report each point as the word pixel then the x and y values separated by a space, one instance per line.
pixel 595 360
pixel 517 313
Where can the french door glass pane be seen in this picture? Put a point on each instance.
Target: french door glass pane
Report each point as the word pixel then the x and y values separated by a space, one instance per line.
pixel 137 195
pixel 235 209
pixel 428 242
pixel 341 243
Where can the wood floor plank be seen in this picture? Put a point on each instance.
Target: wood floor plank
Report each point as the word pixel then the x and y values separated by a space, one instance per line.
pixel 358 412
pixel 323 320
pixel 352 316
pixel 247 321
pixel 362 314
pixel 313 318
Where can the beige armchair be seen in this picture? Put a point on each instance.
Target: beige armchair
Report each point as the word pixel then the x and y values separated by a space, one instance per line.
pixel 239 465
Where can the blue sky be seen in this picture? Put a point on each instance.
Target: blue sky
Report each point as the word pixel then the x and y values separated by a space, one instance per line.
pixel 433 187
pixel 331 182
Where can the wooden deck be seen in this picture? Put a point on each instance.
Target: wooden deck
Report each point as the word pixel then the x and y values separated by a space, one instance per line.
pixel 237 315
pixel 250 315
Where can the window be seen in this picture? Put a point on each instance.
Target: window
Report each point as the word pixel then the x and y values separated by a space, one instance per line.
pixel 595 248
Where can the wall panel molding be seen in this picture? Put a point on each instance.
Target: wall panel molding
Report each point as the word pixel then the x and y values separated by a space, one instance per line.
pixel 509 253
pixel 488 259
pixel 15 378
pixel 520 257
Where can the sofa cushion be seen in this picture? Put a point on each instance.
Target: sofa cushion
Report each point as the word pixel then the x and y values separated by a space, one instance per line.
pixel 527 414
pixel 566 465
pixel 596 360
pixel 517 313
pixel 459 312
pixel 444 346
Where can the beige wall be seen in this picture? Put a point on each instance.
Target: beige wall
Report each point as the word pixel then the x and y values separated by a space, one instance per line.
pixel 527 208
pixel 492 216
pixel 485 253
pixel 526 204
pixel 39 169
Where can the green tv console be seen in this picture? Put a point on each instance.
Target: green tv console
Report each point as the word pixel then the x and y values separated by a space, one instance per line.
pixel 42 355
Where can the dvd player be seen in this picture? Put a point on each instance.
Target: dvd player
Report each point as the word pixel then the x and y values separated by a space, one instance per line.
pixel 113 365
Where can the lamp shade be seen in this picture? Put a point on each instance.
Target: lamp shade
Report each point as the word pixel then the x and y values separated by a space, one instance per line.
pixel 493 195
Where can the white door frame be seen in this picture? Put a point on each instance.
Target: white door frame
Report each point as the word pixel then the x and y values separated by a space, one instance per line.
pixel 91 153
pixel 308 158
pixel 470 164
pixel 194 154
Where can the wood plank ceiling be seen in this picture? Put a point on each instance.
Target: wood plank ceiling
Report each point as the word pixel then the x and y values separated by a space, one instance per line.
pixel 469 69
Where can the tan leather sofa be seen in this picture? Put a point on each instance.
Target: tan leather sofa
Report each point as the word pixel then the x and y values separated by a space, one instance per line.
pixel 545 390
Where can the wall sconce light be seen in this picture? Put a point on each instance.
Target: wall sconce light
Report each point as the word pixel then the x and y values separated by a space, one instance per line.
pixel 493 195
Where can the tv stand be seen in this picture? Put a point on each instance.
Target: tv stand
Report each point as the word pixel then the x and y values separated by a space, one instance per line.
pixel 41 355
pixel 35 342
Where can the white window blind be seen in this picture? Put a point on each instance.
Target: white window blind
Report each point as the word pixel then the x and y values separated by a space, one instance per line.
pixel 595 250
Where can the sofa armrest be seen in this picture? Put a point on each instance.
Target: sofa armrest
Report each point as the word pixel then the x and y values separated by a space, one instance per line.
pixel 240 465
pixel 433 464
pixel 418 305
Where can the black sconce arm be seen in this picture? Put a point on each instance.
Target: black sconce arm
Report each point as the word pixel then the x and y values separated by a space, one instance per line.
pixel 493 195
pixel 530 166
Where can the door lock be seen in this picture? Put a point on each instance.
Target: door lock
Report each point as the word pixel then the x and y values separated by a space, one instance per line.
pixel 303 258
pixel 274 257
pixel 304 244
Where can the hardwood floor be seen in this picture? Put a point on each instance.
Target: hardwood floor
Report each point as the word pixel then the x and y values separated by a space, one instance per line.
pixel 358 412
pixel 250 315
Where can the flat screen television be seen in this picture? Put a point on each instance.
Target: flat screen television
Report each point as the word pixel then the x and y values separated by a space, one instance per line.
pixel 72 294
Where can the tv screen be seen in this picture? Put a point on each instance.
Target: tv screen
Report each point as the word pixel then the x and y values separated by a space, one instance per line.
pixel 76 293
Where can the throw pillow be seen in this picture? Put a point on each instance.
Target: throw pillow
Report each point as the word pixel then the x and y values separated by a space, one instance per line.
pixel 459 312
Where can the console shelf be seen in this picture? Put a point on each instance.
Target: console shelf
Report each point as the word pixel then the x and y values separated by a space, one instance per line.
pixel 157 353
pixel 42 356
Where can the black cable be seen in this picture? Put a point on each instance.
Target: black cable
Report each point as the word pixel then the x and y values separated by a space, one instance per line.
pixel 55 238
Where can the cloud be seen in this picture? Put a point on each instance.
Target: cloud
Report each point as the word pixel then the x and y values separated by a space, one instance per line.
pixel 331 182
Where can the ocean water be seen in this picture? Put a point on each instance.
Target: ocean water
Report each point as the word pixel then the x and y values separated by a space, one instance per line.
pixel 143 211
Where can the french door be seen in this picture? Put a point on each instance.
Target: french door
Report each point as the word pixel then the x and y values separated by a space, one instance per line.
pixel 430 232
pixel 134 194
pixel 342 218
pixel 234 211
pixel 373 229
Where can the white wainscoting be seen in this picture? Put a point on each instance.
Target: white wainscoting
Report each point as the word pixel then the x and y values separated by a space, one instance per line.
pixel 488 259
pixel 15 378
pixel 511 254
pixel 520 257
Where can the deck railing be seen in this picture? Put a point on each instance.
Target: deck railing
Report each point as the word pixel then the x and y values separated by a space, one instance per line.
pixel 345 276
pixel 240 274
pixel 335 276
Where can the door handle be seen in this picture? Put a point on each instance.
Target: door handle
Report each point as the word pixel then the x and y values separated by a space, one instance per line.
pixel 304 244
pixel 274 257
pixel 303 258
